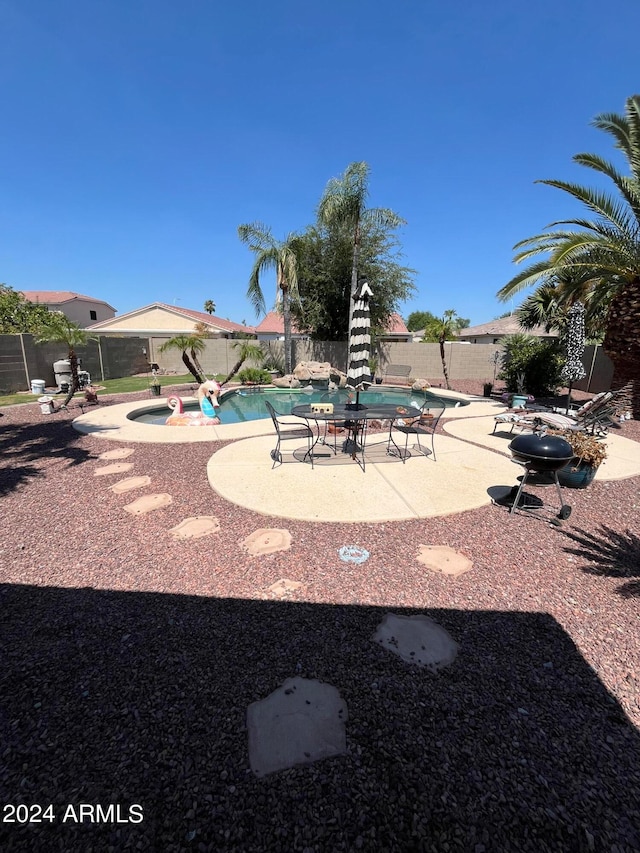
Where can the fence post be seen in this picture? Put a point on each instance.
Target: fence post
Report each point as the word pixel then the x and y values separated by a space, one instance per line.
pixel 24 359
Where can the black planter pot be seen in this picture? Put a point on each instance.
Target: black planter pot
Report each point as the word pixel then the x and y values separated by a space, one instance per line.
pixel 155 390
pixel 487 388
pixel 577 474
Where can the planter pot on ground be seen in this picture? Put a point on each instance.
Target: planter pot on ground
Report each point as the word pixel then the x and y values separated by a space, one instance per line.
pixel 378 380
pixel 487 388
pixel 155 390
pixel 576 474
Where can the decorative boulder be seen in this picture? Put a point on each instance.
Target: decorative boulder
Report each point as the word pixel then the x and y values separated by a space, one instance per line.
pixel 420 385
pixel 307 370
pixel 288 381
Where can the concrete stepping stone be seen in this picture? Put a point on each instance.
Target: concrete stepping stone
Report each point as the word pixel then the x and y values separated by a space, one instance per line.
pixel 120 453
pixel 284 587
pixel 418 640
pixel 195 527
pixel 300 722
pixel 148 503
pixel 443 559
pixel 116 468
pixel 267 540
pixel 129 483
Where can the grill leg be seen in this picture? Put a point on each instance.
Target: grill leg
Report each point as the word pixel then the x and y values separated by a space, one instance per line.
pixel 519 492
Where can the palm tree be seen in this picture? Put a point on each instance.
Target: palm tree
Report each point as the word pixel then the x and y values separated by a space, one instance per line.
pixel 60 329
pixel 195 344
pixel 443 329
pixel 344 203
pixel 272 255
pixel 602 252
pixel 210 306
pixel 247 349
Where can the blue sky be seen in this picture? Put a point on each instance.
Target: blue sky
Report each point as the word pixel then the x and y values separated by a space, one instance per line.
pixel 138 134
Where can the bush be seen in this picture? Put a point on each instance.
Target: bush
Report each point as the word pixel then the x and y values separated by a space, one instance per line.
pixel 254 374
pixel 538 362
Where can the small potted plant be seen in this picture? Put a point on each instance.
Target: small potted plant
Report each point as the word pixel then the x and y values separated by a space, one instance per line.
pixel 589 453
pixel 373 368
pixel 487 388
pixel 154 386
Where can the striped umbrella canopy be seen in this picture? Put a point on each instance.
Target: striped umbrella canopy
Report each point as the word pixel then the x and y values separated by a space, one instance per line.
pixel 358 373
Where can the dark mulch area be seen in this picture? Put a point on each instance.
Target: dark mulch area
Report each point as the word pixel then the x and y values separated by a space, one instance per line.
pixel 129 659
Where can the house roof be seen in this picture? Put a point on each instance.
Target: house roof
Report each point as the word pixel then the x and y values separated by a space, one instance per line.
pixel 504 326
pixel 58 297
pixel 188 313
pixel 274 323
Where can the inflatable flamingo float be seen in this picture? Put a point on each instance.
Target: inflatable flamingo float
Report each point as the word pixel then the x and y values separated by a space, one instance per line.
pixel 208 400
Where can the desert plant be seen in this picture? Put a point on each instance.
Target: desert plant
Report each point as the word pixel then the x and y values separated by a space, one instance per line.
pixel 254 374
pixel 586 448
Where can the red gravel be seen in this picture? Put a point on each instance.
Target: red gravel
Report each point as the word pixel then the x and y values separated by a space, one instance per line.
pixel 129 660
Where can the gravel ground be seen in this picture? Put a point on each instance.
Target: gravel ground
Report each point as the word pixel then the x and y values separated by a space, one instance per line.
pixel 129 659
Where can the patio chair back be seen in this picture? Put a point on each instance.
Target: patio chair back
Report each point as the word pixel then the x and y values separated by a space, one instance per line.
pixel 288 430
pixel 430 413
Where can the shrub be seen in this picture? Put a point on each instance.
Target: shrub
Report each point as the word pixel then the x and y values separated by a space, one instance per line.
pixel 539 362
pixel 254 374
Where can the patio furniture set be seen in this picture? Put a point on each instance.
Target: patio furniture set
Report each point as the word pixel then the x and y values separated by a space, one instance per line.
pixel 320 424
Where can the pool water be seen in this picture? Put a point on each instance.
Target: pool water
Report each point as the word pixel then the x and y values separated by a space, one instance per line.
pixel 242 405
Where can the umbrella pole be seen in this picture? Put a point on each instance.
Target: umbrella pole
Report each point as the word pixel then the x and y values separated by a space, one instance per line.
pixel 568 399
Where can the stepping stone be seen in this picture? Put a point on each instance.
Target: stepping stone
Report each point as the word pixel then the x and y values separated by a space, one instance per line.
pixel 195 527
pixel 148 503
pixel 418 640
pixel 129 483
pixel 267 540
pixel 441 558
pixel 300 722
pixel 120 453
pixel 116 468
pixel 284 587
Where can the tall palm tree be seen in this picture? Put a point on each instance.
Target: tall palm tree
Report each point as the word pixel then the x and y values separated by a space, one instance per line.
pixel 60 329
pixel 344 203
pixel 443 329
pixel 602 251
pixel 210 306
pixel 247 349
pixel 192 343
pixel 270 254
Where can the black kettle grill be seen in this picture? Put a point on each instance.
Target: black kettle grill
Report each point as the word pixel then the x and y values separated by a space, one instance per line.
pixel 540 454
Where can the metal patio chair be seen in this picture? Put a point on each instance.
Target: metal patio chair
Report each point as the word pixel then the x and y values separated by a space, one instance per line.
pixel 288 430
pixel 430 413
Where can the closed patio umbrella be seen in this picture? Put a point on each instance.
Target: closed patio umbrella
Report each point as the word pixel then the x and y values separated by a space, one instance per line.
pixel 573 369
pixel 358 373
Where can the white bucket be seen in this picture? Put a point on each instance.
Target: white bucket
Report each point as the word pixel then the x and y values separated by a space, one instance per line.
pixel 37 386
pixel 46 405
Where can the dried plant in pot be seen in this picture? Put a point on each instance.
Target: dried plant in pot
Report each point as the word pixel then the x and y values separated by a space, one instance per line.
pixel 589 452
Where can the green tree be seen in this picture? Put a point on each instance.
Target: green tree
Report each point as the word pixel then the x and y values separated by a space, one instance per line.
pixel 210 306
pixel 60 329
pixel 192 344
pixel 344 202
pixel 325 255
pixel 18 315
pixel 600 254
pixel 246 349
pixel 419 320
pixel 280 257
pixel 443 329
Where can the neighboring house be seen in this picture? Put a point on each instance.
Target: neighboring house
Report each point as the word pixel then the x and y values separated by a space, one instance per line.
pixel 490 333
pixel 160 320
pixel 272 329
pixel 396 331
pixel 80 309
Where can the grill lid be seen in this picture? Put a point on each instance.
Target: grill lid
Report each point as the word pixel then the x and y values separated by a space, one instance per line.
pixel 542 451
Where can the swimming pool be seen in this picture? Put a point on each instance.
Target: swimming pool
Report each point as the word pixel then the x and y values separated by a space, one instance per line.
pixel 241 405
